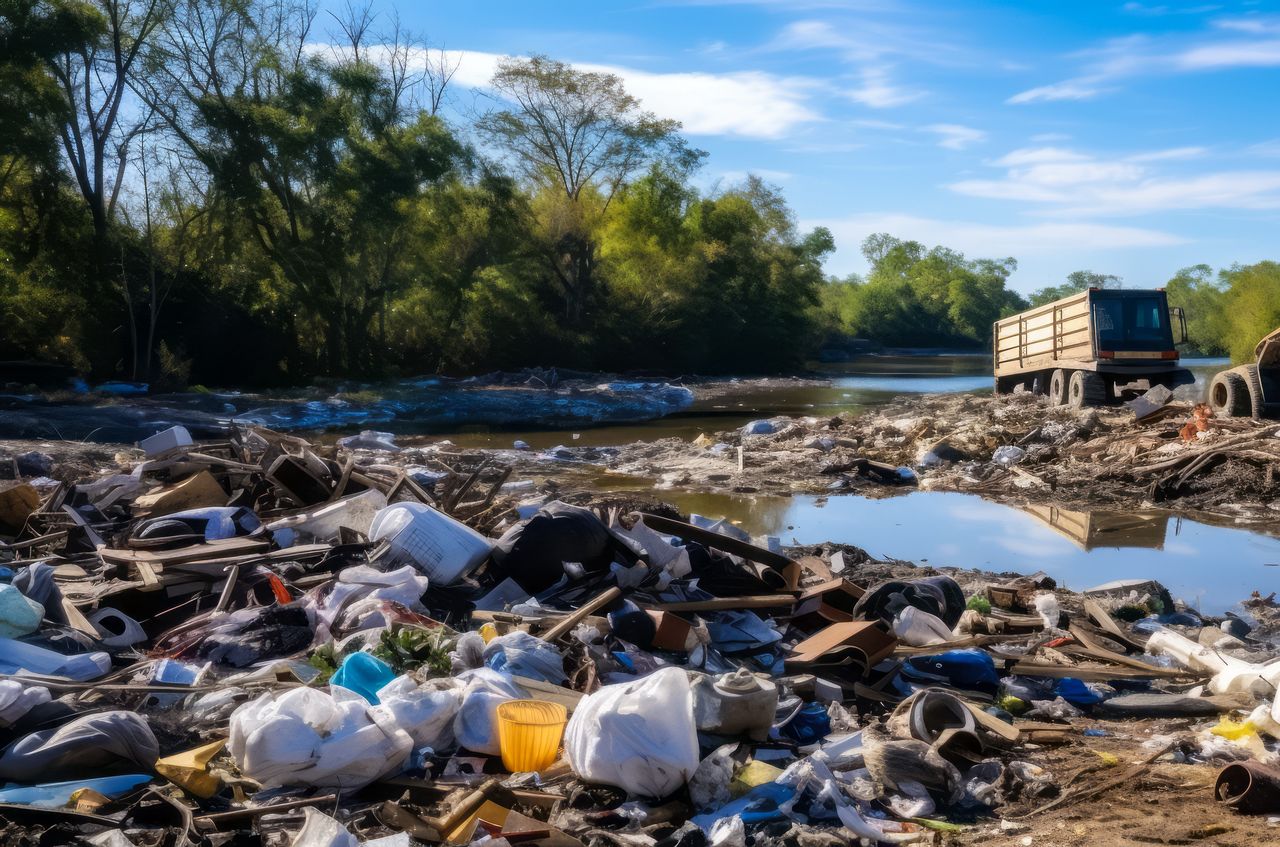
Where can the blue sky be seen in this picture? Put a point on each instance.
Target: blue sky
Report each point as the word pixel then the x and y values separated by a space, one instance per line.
pixel 1122 137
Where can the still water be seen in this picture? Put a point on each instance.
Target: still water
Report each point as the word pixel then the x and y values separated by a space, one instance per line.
pixel 847 388
pixel 1078 549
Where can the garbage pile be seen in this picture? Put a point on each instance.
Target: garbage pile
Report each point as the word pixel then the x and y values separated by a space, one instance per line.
pixel 1014 447
pixel 262 641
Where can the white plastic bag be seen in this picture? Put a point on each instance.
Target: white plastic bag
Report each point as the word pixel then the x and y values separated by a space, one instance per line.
pixel 476 724
pixel 639 736
pixel 18 698
pixel 320 830
pixel 424 711
pixel 308 737
pixel 919 628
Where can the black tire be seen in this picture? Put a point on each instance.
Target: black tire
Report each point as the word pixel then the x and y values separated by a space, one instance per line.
pixel 1254 381
pixel 1086 389
pixel 1229 395
pixel 1058 388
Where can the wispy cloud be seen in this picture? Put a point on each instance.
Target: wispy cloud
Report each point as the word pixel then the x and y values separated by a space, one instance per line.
pixel 878 90
pixel 1230 43
pixel 751 104
pixel 1071 183
pixel 1161 10
pixel 1082 88
pixel 956 136
pixel 984 239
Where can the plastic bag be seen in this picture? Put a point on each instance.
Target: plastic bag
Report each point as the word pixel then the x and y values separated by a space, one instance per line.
pixel 320 830
pixel 521 654
pixel 89 744
pixel 424 711
pixel 476 724
pixel 16 699
pixel 308 737
pixel 639 736
pixel 919 628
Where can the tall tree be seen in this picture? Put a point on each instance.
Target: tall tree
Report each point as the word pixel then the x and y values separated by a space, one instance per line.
pixel 1077 281
pixel 100 126
pixel 580 137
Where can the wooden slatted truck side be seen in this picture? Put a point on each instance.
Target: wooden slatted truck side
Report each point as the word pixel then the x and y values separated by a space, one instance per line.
pixel 1092 348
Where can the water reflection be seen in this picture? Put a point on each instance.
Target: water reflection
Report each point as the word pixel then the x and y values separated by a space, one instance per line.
pixel 1212 567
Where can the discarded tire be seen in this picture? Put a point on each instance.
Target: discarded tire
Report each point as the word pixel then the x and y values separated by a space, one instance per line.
pixel 1229 395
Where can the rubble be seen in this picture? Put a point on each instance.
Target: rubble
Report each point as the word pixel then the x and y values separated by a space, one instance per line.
pixel 1015 448
pixel 265 640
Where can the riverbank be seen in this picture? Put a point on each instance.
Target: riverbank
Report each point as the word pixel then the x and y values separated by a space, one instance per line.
pixel 1015 449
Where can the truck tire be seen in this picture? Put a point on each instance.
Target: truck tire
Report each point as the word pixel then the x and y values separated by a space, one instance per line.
pixel 1229 395
pixel 1058 388
pixel 1086 389
pixel 1257 401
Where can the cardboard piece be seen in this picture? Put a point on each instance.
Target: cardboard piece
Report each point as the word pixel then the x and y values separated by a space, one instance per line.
pixel 194 492
pixel 827 603
pixel 670 631
pixel 17 501
pixel 860 643
pixel 190 769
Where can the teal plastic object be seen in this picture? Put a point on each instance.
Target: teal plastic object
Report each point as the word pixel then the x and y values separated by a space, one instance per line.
pixel 54 795
pixel 363 674
pixel 18 614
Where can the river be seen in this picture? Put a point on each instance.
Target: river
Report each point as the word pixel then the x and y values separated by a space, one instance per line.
pixel 1210 567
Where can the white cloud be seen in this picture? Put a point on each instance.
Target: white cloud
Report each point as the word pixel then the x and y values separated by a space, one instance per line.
pixel 1256 45
pixel 956 136
pixel 1046 137
pixel 752 104
pixel 878 91
pixel 1068 182
pixel 1083 88
pixel 1241 54
pixel 1171 154
pixel 981 239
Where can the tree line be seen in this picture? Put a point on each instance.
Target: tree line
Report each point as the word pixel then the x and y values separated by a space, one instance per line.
pixel 241 192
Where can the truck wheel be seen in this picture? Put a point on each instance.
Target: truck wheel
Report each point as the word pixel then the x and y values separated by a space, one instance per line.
pixel 1058 388
pixel 1229 395
pixel 1086 389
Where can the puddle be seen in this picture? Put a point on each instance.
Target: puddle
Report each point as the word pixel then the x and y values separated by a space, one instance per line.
pixel 1209 567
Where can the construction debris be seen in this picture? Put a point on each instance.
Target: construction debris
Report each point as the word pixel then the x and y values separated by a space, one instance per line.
pixel 262 640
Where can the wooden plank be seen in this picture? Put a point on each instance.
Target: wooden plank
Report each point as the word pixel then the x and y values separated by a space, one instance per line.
pixel 715 540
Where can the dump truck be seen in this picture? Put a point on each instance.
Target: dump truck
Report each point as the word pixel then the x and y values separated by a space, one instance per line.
pixel 1251 390
pixel 1094 348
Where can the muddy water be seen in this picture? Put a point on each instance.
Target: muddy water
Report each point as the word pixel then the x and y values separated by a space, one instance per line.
pixel 1209 567
pixel 848 388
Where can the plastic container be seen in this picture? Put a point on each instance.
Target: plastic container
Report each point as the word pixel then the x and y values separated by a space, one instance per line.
pixel 434 543
pixel 354 512
pixel 529 733
pixel 735 703
pixel 18 656
pixel 53 795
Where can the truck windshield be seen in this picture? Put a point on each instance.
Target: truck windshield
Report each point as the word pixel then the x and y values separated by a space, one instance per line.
pixel 1131 323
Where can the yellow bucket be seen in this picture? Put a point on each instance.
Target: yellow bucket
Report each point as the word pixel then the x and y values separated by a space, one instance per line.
pixel 529 733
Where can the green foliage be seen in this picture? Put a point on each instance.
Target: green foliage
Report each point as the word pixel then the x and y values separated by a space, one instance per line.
pixel 412 648
pixel 1077 281
pixel 1203 300
pixel 922 297
pixel 1252 306
pixel 299 215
